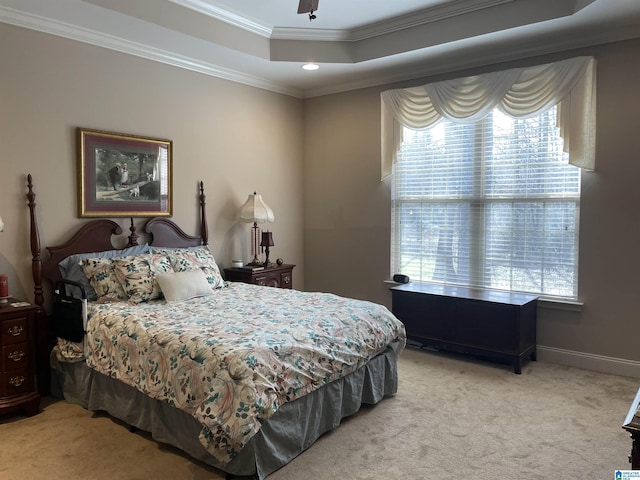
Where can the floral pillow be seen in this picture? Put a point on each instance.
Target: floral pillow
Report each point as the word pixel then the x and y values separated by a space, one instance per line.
pixel 159 262
pixel 103 279
pixel 137 273
pixel 190 259
pixel 71 269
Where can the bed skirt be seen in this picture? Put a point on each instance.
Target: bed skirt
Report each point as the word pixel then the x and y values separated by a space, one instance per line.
pixel 290 431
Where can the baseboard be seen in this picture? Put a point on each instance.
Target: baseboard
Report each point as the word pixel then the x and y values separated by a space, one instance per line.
pixel 589 361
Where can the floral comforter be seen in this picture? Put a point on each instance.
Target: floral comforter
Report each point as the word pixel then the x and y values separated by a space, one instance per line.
pixel 232 358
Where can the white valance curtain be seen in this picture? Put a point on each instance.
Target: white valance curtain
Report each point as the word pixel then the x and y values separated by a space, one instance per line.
pixel 518 92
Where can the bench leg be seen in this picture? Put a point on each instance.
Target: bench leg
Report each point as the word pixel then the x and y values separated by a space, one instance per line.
pixel 517 366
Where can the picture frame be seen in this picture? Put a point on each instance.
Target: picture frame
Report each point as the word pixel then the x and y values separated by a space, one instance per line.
pixel 123 175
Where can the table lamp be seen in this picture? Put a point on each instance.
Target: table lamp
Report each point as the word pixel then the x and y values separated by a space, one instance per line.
pixel 256 211
pixel 267 241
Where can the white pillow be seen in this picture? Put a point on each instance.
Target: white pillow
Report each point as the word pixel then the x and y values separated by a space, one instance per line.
pixel 179 286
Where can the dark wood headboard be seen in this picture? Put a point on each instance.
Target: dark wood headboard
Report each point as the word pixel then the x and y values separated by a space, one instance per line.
pixel 96 236
pixel 165 233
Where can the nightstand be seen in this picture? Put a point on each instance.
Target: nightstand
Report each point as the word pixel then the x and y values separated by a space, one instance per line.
pixel 279 276
pixel 17 364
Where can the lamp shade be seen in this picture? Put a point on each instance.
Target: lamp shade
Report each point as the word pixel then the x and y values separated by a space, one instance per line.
pixel 267 239
pixel 256 211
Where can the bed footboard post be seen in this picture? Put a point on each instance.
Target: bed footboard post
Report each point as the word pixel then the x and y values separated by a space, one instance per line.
pixel 36 262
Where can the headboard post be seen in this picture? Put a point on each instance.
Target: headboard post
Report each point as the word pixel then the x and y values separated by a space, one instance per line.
pixel 133 238
pixel 204 229
pixel 36 262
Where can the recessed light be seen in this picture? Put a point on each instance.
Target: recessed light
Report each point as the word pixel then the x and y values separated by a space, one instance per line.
pixel 311 66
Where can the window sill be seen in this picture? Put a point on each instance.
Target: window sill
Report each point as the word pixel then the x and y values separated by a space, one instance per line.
pixel 543 302
pixel 558 304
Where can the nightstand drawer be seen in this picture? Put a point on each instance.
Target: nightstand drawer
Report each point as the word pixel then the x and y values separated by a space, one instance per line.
pixel 260 280
pixel 15 383
pixel 14 331
pixel 286 280
pixel 268 279
pixel 14 357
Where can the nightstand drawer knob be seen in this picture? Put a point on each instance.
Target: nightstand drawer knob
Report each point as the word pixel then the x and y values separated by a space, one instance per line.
pixel 16 356
pixel 16 330
pixel 16 381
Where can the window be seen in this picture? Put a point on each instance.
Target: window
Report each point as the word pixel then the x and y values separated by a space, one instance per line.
pixel 492 204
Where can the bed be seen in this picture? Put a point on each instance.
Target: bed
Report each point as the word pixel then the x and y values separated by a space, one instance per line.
pixel 241 377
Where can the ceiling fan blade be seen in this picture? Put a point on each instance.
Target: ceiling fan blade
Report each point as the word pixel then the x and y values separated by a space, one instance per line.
pixel 307 6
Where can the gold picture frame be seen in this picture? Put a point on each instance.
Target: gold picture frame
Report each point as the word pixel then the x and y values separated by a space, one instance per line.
pixel 122 175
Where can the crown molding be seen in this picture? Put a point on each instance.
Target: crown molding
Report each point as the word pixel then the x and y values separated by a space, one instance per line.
pixel 80 34
pixel 204 7
pixel 313 34
pixel 443 63
pixel 428 15
pixel 479 59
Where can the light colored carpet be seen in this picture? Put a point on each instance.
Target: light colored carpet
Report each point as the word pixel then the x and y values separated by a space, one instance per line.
pixel 453 417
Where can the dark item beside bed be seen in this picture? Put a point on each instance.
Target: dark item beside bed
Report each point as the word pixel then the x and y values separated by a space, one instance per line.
pixel 68 311
pixel 293 428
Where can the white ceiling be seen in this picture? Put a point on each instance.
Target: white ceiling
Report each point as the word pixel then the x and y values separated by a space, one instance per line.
pixel 357 43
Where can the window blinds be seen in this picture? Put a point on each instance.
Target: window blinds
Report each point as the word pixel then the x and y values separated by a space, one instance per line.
pixel 492 204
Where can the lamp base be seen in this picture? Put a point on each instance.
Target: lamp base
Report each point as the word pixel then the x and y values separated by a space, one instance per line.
pixel 267 263
pixel 255 262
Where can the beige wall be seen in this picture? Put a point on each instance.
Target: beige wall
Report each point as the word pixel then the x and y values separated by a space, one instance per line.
pixel 347 210
pixel 332 212
pixel 235 138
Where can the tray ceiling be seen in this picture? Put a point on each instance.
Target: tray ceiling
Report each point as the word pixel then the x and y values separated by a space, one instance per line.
pixel 357 43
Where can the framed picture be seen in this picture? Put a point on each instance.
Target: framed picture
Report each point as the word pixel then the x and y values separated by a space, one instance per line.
pixel 122 175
